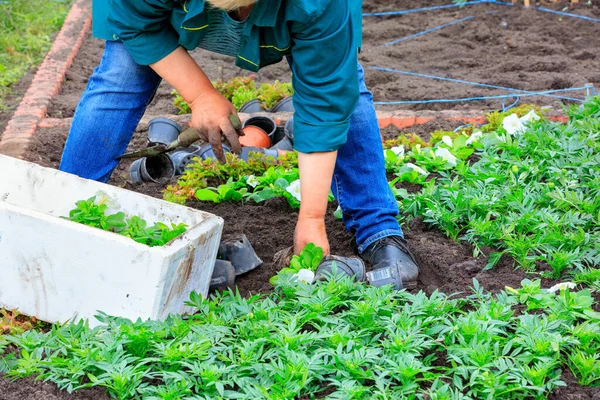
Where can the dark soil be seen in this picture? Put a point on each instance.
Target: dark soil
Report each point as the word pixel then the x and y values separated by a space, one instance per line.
pixel 501 45
pixel 423 130
pixel 444 264
pixel 534 51
pixel 12 97
pixel 30 389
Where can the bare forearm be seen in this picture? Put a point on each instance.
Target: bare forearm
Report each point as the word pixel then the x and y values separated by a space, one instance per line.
pixel 184 74
pixel 316 172
pixel 211 112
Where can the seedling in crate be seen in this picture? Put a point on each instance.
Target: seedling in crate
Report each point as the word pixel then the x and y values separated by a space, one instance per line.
pixel 93 214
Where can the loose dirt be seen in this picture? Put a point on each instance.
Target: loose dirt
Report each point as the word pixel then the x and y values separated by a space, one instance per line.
pixel 508 46
pixel 501 45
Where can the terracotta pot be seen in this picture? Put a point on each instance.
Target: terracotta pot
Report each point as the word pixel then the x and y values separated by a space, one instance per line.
pixel 265 123
pixel 255 137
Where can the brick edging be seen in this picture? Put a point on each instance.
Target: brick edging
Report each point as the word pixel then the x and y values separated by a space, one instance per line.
pixel 400 119
pixel 47 81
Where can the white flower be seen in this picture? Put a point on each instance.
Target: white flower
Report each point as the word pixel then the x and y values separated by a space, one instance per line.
pixel 530 116
pixel 562 286
pixel 306 276
pixel 398 151
pixel 475 136
pixel 252 181
pixel 417 168
pixel 513 125
pixel 444 153
pixel 294 189
pixel 447 141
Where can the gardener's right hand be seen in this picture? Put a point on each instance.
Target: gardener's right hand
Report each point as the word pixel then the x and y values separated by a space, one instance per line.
pixel 211 117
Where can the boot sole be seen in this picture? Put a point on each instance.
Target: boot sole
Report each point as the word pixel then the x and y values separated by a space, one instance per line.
pixel 409 285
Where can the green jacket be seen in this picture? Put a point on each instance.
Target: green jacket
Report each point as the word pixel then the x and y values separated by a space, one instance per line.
pixel 322 36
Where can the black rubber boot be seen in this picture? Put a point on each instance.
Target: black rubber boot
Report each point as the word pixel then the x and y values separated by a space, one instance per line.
pixel 350 266
pixel 392 263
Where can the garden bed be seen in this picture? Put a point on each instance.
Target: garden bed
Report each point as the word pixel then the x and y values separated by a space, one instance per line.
pixel 536 51
pixel 502 45
pixel 435 252
pixel 446 265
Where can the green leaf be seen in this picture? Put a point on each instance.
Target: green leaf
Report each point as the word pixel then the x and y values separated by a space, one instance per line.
pixel 338 214
pixel 493 260
pixel 281 184
pixel 207 195
pixel 263 195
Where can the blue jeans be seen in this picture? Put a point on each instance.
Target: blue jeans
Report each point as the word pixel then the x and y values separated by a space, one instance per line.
pixel 119 91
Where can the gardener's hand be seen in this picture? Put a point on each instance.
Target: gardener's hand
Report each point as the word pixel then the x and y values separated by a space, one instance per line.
pixel 310 230
pixel 210 111
pixel 211 116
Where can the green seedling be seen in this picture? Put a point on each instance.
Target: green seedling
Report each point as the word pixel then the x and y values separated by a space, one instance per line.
pixel 242 96
pixel 198 173
pixel 336 338
pixel 91 213
pixel 530 196
pixel 272 93
pixel 309 258
pixel 230 191
pixel 240 90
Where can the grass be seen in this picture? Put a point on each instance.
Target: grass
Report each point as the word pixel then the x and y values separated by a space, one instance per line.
pixel 27 27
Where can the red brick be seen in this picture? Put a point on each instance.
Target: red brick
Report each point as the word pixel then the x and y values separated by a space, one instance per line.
pixel 403 122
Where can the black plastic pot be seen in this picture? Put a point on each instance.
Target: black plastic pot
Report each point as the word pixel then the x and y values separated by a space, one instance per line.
pixel 289 129
pixel 350 266
pixel 285 105
pixel 279 135
pixel 206 151
pixel 163 131
pixel 241 254
pixel 153 169
pixel 251 107
pixel 265 123
pixel 182 158
pixel 284 144
pixel 223 276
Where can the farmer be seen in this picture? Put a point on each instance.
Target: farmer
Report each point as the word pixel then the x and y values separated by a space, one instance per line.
pixel 335 127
